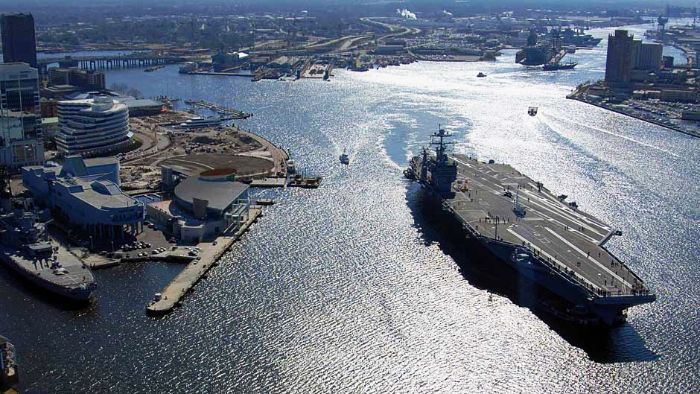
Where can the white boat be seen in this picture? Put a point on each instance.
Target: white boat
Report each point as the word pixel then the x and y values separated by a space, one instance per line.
pixel 291 168
pixel 199 122
pixel 344 159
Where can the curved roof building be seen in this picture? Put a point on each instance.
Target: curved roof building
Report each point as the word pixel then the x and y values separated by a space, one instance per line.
pixel 211 194
pixel 92 126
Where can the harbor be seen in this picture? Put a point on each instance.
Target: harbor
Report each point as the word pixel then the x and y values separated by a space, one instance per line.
pixel 351 280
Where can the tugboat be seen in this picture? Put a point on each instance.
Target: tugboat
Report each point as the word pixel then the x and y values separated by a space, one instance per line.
pixel 344 159
pixel 8 364
pixel 532 111
pixel 559 66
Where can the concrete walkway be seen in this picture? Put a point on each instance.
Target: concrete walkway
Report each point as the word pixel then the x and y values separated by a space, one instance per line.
pixel 173 293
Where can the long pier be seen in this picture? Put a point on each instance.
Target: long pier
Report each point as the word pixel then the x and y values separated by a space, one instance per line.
pixel 173 293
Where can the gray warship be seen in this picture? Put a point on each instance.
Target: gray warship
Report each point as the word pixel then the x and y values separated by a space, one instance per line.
pixel 539 235
pixel 26 249
pixel 8 364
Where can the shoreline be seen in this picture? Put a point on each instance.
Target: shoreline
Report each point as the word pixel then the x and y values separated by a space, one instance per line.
pixel 673 128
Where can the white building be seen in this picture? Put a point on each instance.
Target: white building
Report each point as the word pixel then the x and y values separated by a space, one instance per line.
pixel 21 140
pixel 92 126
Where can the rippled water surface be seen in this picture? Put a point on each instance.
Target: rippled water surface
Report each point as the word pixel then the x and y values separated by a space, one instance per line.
pixel 354 288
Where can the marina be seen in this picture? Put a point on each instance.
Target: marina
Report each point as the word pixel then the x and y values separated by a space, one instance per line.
pixel 221 110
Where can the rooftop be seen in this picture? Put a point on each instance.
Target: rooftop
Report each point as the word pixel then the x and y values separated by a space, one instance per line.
pixel 219 193
pixel 100 193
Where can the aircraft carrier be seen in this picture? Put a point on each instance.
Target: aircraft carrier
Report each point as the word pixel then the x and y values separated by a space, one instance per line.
pixel 536 233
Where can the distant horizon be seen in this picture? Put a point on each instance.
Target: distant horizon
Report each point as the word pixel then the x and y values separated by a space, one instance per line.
pixel 14 5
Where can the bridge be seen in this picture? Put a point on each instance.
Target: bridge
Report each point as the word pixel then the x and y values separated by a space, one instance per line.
pixel 134 60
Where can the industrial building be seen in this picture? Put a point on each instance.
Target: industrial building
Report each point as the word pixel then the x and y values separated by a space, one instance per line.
pixel 202 207
pixel 222 61
pixel 18 39
pixel 92 126
pixel 630 60
pixel 21 140
pixel 86 193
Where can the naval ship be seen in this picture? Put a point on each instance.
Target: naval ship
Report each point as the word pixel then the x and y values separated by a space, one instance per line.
pixel 25 248
pixel 539 235
pixel 8 364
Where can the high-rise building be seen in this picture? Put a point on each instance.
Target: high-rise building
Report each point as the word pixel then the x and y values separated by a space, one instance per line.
pixel 18 38
pixel 92 127
pixel 620 59
pixel 648 56
pixel 21 141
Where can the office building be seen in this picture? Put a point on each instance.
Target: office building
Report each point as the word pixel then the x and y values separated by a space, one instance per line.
pixel 92 126
pixel 86 193
pixel 620 59
pixel 18 39
pixel 81 79
pixel 21 140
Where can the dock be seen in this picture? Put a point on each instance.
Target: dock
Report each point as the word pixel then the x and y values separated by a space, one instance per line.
pixel 230 113
pixel 569 240
pixel 269 182
pixel 175 291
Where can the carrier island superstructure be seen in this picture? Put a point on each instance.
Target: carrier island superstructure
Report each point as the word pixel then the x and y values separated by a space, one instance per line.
pixel 539 235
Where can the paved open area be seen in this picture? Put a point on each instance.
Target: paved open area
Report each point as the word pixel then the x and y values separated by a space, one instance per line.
pixel 486 199
pixel 171 296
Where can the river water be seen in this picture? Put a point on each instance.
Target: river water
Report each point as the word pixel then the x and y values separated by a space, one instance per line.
pixel 354 288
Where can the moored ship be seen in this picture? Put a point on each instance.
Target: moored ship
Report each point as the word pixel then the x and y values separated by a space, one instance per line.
pixel 26 249
pixel 8 364
pixel 537 234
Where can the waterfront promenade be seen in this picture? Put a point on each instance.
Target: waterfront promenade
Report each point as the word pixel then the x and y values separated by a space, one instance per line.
pixel 173 293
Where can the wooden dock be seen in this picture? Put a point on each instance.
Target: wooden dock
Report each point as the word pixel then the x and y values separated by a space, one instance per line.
pixel 175 291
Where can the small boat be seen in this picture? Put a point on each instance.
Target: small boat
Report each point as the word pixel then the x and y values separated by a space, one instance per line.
pixel 532 111
pixel 291 168
pixel 480 75
pixel 265 201
pixel 559 66
pixel 344 159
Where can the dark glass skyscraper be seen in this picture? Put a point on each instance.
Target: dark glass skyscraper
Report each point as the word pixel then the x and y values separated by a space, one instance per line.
pixel 18 39
pixel 620 60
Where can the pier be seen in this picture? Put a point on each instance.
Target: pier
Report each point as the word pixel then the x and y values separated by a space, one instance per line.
pixel 173 293
pixel 220 109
